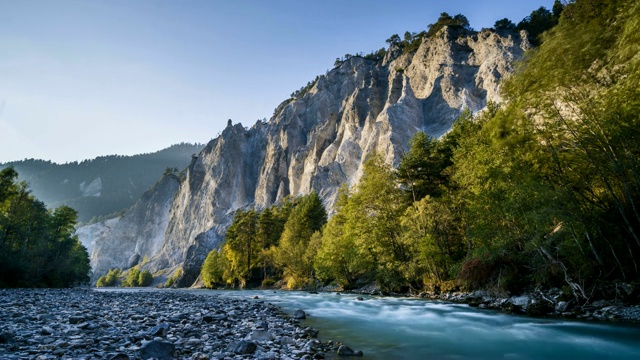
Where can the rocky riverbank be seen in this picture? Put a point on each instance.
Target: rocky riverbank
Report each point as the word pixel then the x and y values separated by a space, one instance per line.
pixel 120 325
pixel 542 303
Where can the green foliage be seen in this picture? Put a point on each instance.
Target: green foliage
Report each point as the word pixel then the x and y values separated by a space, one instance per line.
pixel 37 246
pixel 457 22
pixel 213 269
pixel 110 279
pixel 132 278
pixel 541 191
pixel 339 257
pixel 538 22
pixel 145 278
pixel 293 255
pixel 551 179
pixel 504 24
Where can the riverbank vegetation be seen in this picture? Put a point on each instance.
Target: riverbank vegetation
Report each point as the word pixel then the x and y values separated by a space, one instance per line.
pixel 542 190
pixel 38 247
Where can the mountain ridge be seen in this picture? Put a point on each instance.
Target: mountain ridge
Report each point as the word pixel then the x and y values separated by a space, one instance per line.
pixel 320 140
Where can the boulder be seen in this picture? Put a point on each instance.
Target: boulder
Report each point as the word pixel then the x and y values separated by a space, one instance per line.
pixel 261 335
pixel 160 330
pixel 245 347
pixel 157 349
pixel 344 350
pixel 562 306
pixel 539 308
pixel 299 314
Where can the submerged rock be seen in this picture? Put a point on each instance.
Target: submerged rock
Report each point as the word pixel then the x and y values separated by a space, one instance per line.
pixel 344 350
pixel 299 314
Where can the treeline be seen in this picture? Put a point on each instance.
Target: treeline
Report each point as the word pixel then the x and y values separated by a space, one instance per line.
pixel 263 247
pixel 38 247
pixel 541 191
pixel 131 278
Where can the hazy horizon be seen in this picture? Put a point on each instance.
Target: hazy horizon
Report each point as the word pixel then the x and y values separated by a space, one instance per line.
pixel 83 79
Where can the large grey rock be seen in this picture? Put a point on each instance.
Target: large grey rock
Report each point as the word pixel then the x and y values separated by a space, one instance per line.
pixel 157 349
pixel 245 347
pixel 344 350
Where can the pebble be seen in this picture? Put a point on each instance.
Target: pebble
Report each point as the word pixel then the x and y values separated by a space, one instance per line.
pixel 85 323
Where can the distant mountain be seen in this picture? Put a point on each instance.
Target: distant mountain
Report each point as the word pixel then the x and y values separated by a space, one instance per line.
pixel 102 186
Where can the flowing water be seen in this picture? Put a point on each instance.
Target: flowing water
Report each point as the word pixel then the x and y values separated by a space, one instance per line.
pixel 405 328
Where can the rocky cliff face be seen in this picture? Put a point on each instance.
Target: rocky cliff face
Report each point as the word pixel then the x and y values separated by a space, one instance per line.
pixel 320 140
pixel 123 242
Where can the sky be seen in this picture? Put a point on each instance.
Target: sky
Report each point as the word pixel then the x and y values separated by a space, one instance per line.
pixel 84 78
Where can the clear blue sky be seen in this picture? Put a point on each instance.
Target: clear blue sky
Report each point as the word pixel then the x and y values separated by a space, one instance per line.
pixel 81 78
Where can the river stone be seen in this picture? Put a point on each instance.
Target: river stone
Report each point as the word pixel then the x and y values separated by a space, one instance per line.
pixel 119 356
pixel 160 330
pixel 75 319
pixel 6 337
pixel 157 349
pixel 261 335
pixel 245 347
pixel 562 306
pixel 344 350
pixel 264 325
pixel 299 314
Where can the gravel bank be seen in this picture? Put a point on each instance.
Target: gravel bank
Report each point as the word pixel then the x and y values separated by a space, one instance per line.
pixel 118 325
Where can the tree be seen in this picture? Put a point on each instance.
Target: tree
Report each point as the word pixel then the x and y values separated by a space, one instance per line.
pixel 504 24
pixel 458 22
pixel 291 255
pixel 240 245
pixel 393 40
pixel 378 204
pixel 537 23
pixel 37 246
pixel 213 269
pixel 339 257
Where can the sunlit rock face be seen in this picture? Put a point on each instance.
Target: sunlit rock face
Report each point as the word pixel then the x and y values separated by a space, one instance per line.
pixel 320 140
pixel 123 242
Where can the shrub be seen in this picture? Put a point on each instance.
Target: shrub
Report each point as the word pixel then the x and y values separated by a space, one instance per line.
pixel 110 279
pixel 132 278
pixel 145 278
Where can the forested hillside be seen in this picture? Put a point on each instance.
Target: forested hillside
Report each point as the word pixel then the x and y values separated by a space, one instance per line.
pixel 541 190
pixel 102 186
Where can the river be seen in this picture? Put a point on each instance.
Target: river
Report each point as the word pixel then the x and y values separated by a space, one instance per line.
pixel 407 328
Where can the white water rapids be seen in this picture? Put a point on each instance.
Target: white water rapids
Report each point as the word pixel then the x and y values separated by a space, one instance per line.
pixel 405 328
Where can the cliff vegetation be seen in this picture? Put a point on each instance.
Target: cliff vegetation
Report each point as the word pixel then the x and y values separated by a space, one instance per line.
pixel 541 190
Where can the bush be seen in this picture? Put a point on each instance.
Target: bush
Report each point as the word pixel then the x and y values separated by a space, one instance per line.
pixel 132 278
pixel 110 279
pixel 267 283
pixel 145 278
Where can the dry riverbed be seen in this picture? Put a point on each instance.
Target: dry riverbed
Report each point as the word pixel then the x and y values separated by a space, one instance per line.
pixel 120 325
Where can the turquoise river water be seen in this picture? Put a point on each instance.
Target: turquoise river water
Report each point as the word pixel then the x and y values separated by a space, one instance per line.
pixel 406 328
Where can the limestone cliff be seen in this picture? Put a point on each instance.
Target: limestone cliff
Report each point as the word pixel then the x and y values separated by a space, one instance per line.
pixel 321 139
pixel 123 242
